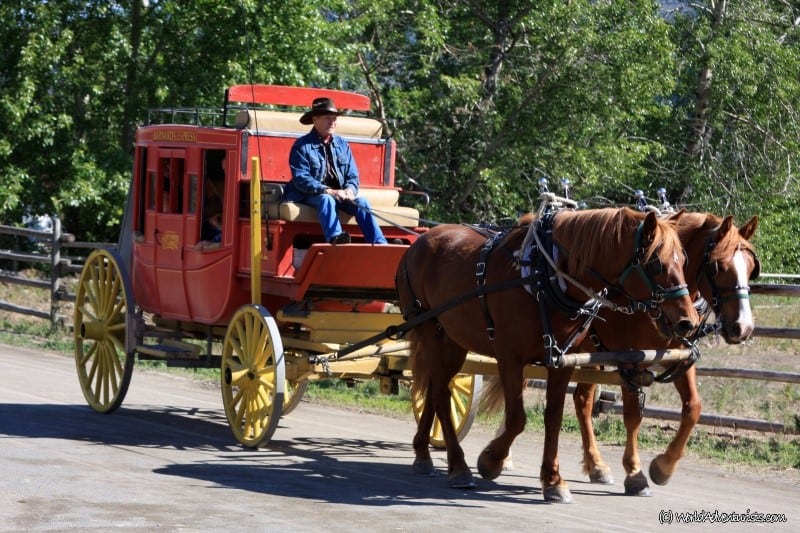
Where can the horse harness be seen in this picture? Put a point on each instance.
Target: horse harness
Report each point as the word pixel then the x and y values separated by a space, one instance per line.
pixel 542 279
pixel 539 276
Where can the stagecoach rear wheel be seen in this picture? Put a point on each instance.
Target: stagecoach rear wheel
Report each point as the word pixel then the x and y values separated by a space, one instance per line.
pixel 464 391
pixel 253 375
pixel 104 353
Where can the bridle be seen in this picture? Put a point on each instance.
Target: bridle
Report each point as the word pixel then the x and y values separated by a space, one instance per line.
pixel 709 271
pixel 646 270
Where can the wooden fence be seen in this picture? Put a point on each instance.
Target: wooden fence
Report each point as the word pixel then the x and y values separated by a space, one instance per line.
pixel 50 251
pixel 56 247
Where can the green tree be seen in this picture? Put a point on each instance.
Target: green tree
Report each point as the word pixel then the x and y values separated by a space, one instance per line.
pixel 482 98
pixel 731 142
pixel 78 77
pixel 489 96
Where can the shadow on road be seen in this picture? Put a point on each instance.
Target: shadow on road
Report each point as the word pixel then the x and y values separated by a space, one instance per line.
pixel 333 470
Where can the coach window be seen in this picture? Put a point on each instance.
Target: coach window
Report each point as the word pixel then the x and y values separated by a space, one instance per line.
pixel 191 208
pixel 152 181
pixel 164 185
pixel 141 192
pixel 171 185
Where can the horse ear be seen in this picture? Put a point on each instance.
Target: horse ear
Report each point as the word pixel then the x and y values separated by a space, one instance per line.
pixel 727 224
pixel 749 228
pixel 674 217
pixel 649 227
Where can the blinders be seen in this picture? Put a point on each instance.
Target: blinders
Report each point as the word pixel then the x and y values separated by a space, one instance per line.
pixel 647 272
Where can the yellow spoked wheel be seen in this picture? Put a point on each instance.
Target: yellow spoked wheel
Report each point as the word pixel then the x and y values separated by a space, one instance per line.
pixel 294 393
pixel 464 391
pixel 103 350
pixel 253 375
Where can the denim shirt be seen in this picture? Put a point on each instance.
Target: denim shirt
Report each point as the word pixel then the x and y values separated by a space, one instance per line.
pixel 307 163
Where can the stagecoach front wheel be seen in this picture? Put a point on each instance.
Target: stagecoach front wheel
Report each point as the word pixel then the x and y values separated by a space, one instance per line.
pixel 103 353
pixel 464 391
pixel 253 375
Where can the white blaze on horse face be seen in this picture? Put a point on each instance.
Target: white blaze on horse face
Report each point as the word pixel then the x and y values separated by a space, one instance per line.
pixel 745 319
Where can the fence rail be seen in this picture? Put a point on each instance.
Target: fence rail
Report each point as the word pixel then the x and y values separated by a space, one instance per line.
pixel 48 249
pixel 49 254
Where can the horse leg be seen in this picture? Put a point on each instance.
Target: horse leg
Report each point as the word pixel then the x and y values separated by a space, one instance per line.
pixel 663 466
pixel 435 359
pixel 635 480
pixel 459 475
pixel 492 459
pixel 423 464
pixel 451 358
pixel 508 462
pixel 593 464
pixel 554 487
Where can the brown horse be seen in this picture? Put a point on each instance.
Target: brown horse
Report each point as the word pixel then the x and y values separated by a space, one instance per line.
pixel 594 250
pixel 721 261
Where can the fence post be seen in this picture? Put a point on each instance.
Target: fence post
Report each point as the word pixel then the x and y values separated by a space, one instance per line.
pixel 55 272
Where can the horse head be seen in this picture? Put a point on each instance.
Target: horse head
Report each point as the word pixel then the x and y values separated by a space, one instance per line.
pixel 649 276
pixel 728 264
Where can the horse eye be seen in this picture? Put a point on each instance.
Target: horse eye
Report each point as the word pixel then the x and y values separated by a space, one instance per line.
pixel 655 267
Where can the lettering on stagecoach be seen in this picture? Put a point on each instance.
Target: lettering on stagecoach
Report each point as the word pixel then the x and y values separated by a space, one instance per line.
pixel 170 240
pixel 175 135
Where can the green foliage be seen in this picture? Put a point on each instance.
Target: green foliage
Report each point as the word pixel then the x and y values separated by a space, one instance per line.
pixel 482 98
pixel 776 238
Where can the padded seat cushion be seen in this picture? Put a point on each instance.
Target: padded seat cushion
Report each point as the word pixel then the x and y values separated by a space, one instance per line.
pixel 383 202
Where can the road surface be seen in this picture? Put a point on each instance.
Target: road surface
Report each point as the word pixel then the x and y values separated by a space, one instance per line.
pixel 167 461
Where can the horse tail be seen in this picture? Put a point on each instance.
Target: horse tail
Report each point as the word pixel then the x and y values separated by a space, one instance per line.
pixel 420 370
pixel 492 399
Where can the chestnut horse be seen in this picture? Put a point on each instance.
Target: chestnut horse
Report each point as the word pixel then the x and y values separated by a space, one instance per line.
pixel 593 250
pixel 721 261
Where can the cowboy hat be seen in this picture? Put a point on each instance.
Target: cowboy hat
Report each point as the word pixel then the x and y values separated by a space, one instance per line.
pixel 320 106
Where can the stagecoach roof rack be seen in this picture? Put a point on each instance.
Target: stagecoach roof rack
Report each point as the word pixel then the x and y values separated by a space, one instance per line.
pixel 257 97
pixel 191 116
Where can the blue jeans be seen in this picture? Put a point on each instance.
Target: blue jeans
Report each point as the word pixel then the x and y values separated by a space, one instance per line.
pixel 326 206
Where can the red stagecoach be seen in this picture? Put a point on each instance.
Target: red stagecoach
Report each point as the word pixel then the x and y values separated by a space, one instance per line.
pixel 266 293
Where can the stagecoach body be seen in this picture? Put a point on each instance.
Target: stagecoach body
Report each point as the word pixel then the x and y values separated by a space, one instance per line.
pixel 267 300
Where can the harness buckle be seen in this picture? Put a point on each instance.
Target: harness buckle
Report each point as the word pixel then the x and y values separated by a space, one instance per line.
pixel 480 270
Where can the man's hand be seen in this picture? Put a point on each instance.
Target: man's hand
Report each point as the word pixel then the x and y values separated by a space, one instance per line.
pixel 342 195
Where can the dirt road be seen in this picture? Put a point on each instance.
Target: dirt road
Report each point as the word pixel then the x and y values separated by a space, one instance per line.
pixel 166 461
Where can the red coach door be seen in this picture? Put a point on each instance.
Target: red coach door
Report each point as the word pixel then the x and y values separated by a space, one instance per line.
pixel 169 203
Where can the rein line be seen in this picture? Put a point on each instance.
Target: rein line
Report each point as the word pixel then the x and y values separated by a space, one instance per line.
pixel 397 332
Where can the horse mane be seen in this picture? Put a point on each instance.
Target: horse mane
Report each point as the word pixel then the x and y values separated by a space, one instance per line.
pixel 726 245
pixel 594 236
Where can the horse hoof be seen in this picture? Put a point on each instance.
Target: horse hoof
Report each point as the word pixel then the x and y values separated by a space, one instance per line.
pixel 508 463
pixel 424 467
pixel 636 485
pixel 658 473
pixel 557 494
pixel 488 467
pixel 461 480
pixel 601 475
